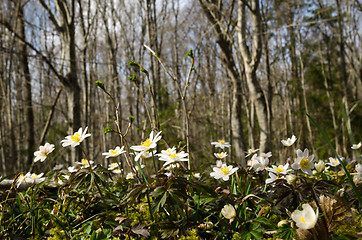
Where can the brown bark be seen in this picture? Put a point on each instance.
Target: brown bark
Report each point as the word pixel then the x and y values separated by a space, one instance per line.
pixel 28 105
pixel 225 43
pixel 64 24
pixel 251 58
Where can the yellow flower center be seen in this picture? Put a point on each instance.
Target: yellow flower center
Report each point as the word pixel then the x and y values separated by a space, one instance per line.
pixel 302 218
pixel 335 161
pixel 113 152
pixel 75 137
pixel 220 155
pixel 224 170
pixel 34 175
pixel 221 141
pixel 84 161
pixel 279 169
pixel 174 155
pixel 146 143
pixel 304 163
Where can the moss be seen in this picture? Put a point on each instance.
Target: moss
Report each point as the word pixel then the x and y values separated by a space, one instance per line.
pixel 349 230
pixel 57 234
pixel 192 235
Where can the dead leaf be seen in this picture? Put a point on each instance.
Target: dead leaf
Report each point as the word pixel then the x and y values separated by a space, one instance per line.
pixel 336 212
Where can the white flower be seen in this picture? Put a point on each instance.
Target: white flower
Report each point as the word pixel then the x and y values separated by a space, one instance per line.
pixel 197 175
pixel 356 146
pixel 221 155
pixel 117 171
pixel 282 222
pixel 251 151
pixel 170 156
pixel 20 180
pixel 320 166
pixel 221 144
pixel 262 165
pixel 333 162
pixel 58 167
pixel 149 143
pixel 273 178
pixel 291 178
pixel 170 168
pixel 75 139
pixel 305 219
pixel 304 162
pixel 359 168
pixel 253 162
pixel 114 152
pixel 130 176
pixel 219 163
pixel 34 176
pixel 281 169
pixel 357 179
pixel 113 166
pixel 144 154
pixel 228 212
pixel 289 142
pixel 258 163
pixel 84 163
pixel 265 155
pixel 136 168
pixel 29 178
pixel 72 169
pixel 223 172
pixel 43 152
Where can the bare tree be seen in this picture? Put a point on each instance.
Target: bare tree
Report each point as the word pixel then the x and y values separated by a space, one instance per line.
pixel 213 10
pixel 251 57
pixel 64 23
pixel 27 92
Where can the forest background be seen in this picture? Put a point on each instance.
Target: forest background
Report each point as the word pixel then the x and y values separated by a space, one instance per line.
pixel 259 67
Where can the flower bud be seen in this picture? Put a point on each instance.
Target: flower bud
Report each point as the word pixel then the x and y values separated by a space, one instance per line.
pixel 320 166
pixel 228 211
pixel 359 168
pixel 291 178
pixel 282 222
pixel 357 179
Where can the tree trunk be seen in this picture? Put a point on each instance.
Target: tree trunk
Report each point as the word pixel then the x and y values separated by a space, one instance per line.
pixel 28 106
pixel 251 59
pixel 225 45
pixel 344 76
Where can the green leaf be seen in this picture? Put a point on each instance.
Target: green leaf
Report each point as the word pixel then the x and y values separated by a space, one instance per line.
pixel 100 85
pixel 190 54
pixel 133 79
pixel 108 129
pixel 133 64
pixel 131 119
pixel 257 235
